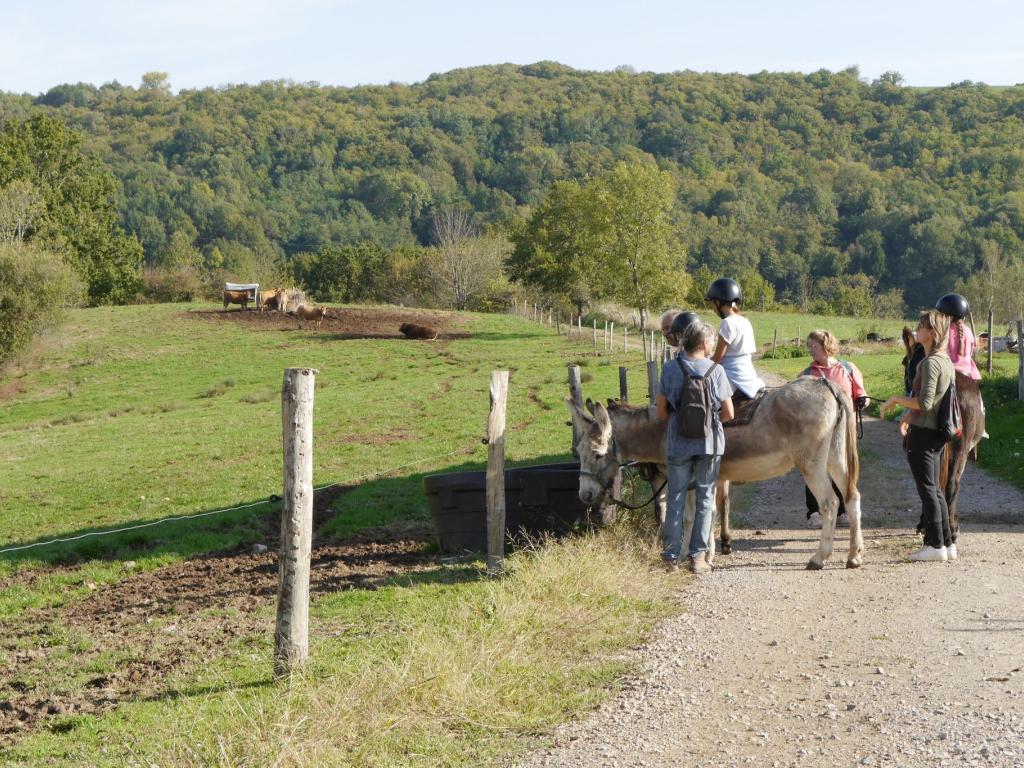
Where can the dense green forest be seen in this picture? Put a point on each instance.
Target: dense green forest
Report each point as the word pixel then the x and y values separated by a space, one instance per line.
pixel 817 183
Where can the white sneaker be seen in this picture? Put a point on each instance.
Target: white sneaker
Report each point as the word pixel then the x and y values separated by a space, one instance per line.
pixel 843 521
pixel 929 555
pixel 814 521
pixel 951 552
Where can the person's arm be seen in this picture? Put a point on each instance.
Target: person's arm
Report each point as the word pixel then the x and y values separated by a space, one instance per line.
pixel 728 412
pixel 720 350
pixel 662 405
pixel 929 382
pixel 907 402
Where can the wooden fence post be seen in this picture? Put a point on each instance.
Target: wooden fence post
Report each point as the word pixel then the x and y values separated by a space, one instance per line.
pixel 576 393
pixel 625 338
pixel 291 635
pixel 652 381
pixel 623 385
pixel 496 474
pixel 611 335
pixel 581 326
pixel 775 341
pixel 595 331
pixel 990 342
pixel 558 325
pixel 1020 359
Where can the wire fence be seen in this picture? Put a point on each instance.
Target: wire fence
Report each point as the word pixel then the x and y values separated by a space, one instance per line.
pixel 270 499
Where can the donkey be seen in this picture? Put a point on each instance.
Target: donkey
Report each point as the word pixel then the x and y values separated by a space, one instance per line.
pixel 956 452
pixel 808 424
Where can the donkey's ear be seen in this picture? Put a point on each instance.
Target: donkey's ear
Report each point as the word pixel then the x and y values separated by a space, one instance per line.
pixel 612 403
pixel 601 416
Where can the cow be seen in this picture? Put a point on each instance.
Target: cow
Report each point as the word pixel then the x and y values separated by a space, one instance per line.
pixel 413 331
pixel 302 313
pixel 237 297
pixel 274 299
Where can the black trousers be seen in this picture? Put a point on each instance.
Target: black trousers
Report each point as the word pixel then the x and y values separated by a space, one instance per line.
pixel 812 503
pixel 924 455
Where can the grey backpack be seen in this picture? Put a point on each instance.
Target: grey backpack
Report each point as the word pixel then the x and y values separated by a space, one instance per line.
pixel 695 409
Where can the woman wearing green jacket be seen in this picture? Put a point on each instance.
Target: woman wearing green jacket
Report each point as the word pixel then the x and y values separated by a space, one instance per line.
pixel 920 427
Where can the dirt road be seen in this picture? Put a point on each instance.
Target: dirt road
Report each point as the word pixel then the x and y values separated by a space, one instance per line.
pixel 895 664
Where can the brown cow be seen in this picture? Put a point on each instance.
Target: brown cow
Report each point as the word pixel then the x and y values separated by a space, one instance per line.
pixel 271 299
pixel 413 331
pixel 316 314
pixel 237 297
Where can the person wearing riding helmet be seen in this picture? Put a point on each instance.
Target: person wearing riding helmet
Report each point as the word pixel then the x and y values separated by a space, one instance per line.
pixel 680 322
pixel 961 337
pixel 736 344
pixel 666 323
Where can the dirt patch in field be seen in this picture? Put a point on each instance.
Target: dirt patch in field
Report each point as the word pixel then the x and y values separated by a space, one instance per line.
pixel 369 323
pixel 123 641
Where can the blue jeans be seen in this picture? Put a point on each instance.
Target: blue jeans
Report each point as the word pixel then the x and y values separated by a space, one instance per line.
pixel 701 472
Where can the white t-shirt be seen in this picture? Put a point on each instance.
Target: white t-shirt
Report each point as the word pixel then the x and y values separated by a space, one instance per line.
pixel 738 333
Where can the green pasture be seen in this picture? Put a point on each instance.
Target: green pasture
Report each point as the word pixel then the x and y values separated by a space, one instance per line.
pixel 135 415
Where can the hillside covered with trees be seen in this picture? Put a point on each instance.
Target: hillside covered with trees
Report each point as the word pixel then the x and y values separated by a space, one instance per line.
pixel 841 194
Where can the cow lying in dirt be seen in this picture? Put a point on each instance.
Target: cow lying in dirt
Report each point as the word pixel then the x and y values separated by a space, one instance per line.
pixel 413 331
pixel 314 314
pixel 237 297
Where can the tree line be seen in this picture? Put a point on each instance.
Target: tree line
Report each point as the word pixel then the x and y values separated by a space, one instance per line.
pixel 828 192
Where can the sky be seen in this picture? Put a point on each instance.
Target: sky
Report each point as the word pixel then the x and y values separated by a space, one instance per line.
pixel 202 43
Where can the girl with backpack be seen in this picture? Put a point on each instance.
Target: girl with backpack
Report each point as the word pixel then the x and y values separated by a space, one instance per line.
pixel 695 397
pixel 736 343
pixel 924 445
pixel 823 347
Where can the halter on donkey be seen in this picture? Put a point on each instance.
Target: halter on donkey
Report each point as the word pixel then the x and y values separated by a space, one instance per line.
pixel 807 424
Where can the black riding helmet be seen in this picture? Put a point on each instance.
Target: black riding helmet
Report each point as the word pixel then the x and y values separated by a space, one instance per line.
pixel 683 321
pixel 725 290
pixel 954 305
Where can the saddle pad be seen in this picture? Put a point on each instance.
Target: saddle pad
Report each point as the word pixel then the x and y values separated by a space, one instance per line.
pixel 745 413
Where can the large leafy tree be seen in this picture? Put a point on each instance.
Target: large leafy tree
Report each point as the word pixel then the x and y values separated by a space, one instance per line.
pixel 74 209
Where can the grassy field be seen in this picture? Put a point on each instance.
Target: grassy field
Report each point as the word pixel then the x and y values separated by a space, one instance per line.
pixel 137 415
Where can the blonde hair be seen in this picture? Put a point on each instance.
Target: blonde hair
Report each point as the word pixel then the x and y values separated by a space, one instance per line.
pixel 938 324
pixel 697 335
pixel 828 342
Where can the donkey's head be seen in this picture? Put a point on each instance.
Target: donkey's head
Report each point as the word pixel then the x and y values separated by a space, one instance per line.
pixel 595 446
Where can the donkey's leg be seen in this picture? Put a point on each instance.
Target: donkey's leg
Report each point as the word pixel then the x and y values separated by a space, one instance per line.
pixel 952 487
pixel 722 503
pixel 817 478
pixel 838 475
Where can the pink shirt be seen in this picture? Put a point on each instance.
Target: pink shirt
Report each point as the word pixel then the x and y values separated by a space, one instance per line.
pixel 851 382
pixel 965 362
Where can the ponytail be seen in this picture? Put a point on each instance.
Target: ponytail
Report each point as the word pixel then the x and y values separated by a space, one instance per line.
pixel 962 336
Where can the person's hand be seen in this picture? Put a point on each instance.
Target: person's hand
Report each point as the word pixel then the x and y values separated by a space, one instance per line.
pixel 904 427
pixel 887 406
pixel 861 402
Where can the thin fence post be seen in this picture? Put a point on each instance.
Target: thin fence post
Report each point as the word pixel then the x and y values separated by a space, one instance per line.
pixel 549 316
pixel 611 335
pixel 581 326
pixel 623 385
pixel 652 381
pixel 576 393
pixel 558 325
pixel 291 633
pixel 595 331
pixel 798 334
pixel 775 340
pixel 606 334
pixel 496 474
pixel 990 318
pixel 1020 359
pixel 625 338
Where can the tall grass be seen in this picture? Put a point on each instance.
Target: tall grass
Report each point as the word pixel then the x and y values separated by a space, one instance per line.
pixel 447 671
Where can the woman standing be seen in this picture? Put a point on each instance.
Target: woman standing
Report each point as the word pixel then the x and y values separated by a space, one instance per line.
pixel 919 425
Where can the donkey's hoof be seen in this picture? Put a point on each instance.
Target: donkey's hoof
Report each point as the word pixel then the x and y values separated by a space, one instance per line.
pixel 726 548
pixel 814 565
pixel 853 563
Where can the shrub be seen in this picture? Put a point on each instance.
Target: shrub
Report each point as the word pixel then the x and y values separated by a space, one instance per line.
pixel 35 285
pixel 164 285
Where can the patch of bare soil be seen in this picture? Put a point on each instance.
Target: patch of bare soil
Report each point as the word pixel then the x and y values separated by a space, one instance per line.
pixel 903 664
pixel 154 623
pixel 348 323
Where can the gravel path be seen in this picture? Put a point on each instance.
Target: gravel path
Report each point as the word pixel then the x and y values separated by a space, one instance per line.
pixel 895 664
